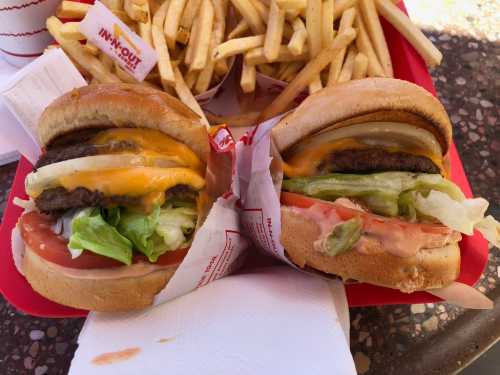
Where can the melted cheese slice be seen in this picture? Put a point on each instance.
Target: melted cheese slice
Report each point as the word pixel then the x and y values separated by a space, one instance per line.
pixel 136 181
pixel 306 162
pixel 152 143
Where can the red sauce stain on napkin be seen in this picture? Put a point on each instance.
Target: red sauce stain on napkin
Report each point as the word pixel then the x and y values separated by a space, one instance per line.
pixel 113 357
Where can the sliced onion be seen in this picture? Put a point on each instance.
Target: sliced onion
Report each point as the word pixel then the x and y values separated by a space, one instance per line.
pixel 384 134
pixel 49 175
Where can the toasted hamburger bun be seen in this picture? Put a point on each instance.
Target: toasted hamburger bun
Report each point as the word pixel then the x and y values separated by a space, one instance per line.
pixel 428 269
pixel 107 292
pixel 123 105
pixel 95 108
pixel 364 101
pixel 367 102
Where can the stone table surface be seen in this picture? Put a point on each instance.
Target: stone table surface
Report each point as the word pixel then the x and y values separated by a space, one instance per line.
pixel 416 339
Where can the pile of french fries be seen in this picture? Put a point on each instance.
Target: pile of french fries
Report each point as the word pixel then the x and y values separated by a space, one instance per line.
pixel 310 44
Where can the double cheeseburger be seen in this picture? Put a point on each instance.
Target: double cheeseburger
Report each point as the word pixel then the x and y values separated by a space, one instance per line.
pixel 118 195
pixel 365 194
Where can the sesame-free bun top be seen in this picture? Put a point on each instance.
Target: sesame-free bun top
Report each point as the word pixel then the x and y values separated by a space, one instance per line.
pixel 123 105
pixel 365 100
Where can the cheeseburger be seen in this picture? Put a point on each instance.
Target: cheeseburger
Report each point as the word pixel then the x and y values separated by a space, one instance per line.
pixel 118 194
pixel 366 194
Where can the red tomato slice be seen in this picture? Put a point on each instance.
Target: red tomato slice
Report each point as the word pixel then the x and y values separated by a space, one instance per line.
pixel 37 234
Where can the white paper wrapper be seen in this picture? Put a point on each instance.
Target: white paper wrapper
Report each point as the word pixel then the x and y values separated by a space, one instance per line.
pixel 32 89
pixel 271 321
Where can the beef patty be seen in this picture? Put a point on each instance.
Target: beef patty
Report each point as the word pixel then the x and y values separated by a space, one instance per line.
pixel 60 153
pixel 375 160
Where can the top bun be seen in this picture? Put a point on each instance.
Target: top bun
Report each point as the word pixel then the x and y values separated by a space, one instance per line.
pixel 123 105
pixel 365 100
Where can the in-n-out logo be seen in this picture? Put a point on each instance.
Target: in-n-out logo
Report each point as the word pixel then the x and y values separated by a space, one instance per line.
pixel 127 52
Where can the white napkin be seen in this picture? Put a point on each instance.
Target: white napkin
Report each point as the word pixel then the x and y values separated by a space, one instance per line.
pixel 273 321
pixel 8 151
pixel 27 92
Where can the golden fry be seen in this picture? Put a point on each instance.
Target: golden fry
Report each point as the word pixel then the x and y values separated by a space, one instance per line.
pixel 306 75
pixel 71 30
pixel 136 12
pixel 72 9
pixel 240 29
pixel 341 6
pixel 145 28
pixel 313 26
pixel 347 69
pixel 247 80
pixel 364 45
pixel 412 33
pixel 187 97
pixel 172 19
pixel 236 46
pixel 160 44
pixel 336 66
pixel 299 37
pixel 189 14
pixel 91 48
pixel 203 38
pixel 274 32
pixel 77 52
pixel 327 9
pixel 250 14
pixel 360 67
pixel 315 85
pixel 374 28
pixel 292 4
pixel 256 56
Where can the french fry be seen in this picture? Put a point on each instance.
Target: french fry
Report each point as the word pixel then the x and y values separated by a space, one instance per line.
pixel 313 26
pixel 72 9
pixel 290 70
pixel 336 66
pixel 236 46
pixel 189 54
pixel 189 14
pixel 292 4
pixel 204 36
pixel 364 45
pixel 250 14
pixel 160 45
pixel 262 9
pixel 91 48
pixel 191 77
pixel 315 85
pixel 306 75
pixel 71 30
pixel 274 32
pixel 291 14
pixel 412 33
pixel 256 56
pixel 266 69
pixel 183 35
pixel 187 97
pixel 136 12
pixel 240 29
pixel 360 67
pixel 76 51
pixel 145 28
pixel 299 37
pixel 247 80
pixel 174 14
pixel 347 68
pixel 221 67
pixel 106 61
pixel 341 6
pixel 124 17
pixel 374 28
pixel 245 119
pixel 327 8
pixel 113 4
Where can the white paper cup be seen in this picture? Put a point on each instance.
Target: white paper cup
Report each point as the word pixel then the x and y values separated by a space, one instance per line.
pixel 23 34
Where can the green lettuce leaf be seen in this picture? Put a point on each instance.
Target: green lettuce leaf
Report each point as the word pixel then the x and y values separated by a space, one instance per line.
pixel 380 192
pixel 343 236
pixel 464 216
pixel 89 231
pixel 139 228
pixel 175 225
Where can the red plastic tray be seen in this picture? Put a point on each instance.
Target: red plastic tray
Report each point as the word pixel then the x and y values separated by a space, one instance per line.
pixel 408 65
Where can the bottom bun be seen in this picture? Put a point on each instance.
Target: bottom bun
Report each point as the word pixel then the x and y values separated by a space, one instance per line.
pixel 96 294
pixel 428 269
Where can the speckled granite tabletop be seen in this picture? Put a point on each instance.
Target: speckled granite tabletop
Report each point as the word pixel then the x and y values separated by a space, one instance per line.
pixel 416 339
